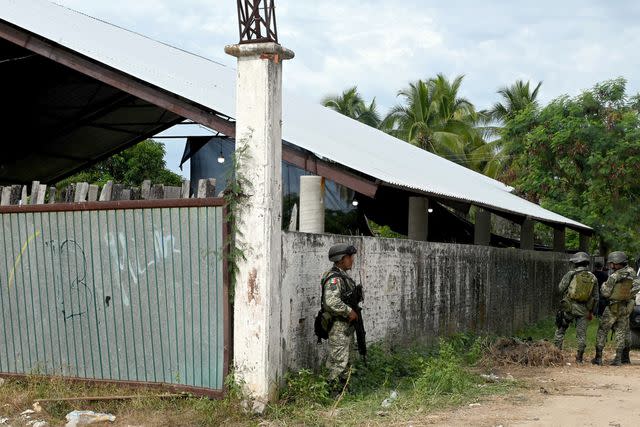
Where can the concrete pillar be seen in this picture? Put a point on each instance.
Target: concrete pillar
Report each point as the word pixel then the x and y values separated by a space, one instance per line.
pixel 312 204
pixel 482 228
pixel 559 239
pixel 526 234
pixel 584 243
pixel 418 218
pixel 257 346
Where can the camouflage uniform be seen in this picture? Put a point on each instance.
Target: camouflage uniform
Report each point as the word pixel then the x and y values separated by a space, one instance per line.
pixel 575 310
pixel 341 334
pixel 616 315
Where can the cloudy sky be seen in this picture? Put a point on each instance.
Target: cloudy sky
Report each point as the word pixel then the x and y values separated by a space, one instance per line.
pixel 380 46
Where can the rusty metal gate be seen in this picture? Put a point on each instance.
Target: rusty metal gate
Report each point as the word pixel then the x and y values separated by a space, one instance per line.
pixel 121 291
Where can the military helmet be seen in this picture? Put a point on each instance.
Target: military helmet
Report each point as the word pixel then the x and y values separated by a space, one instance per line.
pixel 340 250
pixel 579 257
pixel 617 257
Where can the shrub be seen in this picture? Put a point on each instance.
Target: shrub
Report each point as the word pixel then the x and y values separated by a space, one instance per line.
pixel 305 387
pixel 445 373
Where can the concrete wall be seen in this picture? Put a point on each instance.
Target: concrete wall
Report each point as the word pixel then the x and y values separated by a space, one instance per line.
pixel 416 291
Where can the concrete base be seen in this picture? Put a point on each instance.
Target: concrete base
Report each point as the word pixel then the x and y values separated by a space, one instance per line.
pixel 482 228
pixel 559 239
pixel 418 218
pixel 584 243
pixel 526 234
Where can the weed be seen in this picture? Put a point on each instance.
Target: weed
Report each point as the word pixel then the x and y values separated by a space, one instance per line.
pixel 305 387
pixel 445 373
pixel 387 368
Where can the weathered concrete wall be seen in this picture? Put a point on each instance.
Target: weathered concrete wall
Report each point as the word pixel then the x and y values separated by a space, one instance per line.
pixel 416 291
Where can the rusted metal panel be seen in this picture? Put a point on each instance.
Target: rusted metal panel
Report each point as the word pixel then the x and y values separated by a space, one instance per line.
pixel 130 295
pixel 257 21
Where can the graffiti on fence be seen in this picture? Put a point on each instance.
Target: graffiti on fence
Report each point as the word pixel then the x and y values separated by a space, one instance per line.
pixel 128 259
pixel 69 273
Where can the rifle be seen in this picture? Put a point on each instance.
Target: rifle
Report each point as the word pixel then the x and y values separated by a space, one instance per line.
pixel 353 299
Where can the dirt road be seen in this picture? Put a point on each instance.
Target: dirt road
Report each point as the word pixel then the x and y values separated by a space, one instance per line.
pixel 572 395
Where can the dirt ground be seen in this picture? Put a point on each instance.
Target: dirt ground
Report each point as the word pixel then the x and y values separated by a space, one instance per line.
pixel 571 395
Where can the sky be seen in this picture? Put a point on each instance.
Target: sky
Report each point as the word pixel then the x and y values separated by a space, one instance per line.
pixel 381 46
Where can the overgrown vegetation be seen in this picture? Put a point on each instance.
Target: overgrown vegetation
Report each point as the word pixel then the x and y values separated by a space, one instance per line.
pixel 424 378
pixel 235 196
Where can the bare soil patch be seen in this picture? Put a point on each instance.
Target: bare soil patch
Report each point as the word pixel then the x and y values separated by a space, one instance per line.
pixel 568 395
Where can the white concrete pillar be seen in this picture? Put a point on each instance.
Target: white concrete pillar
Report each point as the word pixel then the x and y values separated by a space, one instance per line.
pixel 418 218
pixel 482 228
pixel 311 204
pixel 256 337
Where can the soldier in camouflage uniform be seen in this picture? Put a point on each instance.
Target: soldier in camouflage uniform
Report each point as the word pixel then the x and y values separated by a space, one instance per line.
pixel 621 289
pixel 579 290
pixel 337 283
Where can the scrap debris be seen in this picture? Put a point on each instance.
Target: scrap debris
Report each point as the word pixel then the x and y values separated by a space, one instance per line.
pixel 514 351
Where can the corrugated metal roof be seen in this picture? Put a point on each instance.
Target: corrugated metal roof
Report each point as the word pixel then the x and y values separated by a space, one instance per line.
pixel 305 124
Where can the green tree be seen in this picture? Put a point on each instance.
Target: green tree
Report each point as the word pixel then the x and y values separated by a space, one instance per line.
pixel 130 167
pixel 351 104
pixel 579 157
pixel 515 98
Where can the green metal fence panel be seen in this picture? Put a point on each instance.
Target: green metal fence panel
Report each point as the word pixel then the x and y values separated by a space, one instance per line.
pixel 132 295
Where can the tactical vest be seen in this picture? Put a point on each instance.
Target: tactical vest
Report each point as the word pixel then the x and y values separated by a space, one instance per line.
pixel 622 290
pixel 580 287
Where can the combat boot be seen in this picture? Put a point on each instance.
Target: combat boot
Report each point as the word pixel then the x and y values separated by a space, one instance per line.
pixel 617 360
pixel 580 356
pixel 625 356
pixel 598 359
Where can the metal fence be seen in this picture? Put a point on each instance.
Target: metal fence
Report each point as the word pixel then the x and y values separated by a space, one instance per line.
pixel 122 291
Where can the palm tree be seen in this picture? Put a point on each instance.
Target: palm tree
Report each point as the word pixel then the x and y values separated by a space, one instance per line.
pixel 351 104
pixel 515 98
pixel 432 116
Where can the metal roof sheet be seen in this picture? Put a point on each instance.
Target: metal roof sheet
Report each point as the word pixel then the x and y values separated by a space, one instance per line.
pixel 305 124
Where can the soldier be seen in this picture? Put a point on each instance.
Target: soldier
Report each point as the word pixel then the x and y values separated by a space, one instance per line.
pixel 620 288
pixel 579 290
pixel 602 277
pixel 336 285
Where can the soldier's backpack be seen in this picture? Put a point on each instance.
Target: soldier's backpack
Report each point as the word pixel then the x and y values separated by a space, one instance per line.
pixel 323 321
pixel 622 290
pixel 580 287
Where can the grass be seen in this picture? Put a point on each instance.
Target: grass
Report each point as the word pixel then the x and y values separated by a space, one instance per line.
pixel 426 379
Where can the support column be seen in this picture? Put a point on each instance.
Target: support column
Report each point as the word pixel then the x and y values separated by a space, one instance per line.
pixel 584 243
pixel 312 204
pixel 559 239
pixel 256 338
pixel 482 228
pixel 526 234
pixel 418 218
